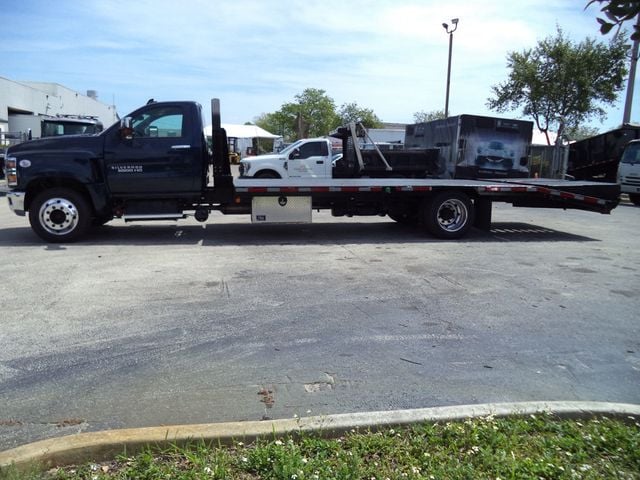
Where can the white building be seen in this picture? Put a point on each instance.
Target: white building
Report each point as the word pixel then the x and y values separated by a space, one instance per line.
pixel 40 98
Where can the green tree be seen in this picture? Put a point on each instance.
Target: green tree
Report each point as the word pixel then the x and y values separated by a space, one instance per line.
pixel 618 12
pixel 313 113
pixel 422 116
pixel 561 84
pixel 351 112
pixel 580 132
pixel 278 123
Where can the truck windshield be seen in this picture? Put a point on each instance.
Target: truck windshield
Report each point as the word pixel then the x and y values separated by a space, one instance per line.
pixel 291 148
pixel 631 153
pixel 53 129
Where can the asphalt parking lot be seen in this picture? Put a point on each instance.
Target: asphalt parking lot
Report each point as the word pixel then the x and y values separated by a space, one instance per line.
pixel 165 323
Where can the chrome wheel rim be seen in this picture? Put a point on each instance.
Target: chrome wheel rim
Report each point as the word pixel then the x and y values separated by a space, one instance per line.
pixel 452 215
pixel 58 216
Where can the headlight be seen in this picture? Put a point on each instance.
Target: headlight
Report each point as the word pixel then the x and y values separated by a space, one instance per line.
pixel 244 168
pixel 11 166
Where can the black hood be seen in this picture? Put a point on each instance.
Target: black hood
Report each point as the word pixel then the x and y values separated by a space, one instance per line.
pixel 63 142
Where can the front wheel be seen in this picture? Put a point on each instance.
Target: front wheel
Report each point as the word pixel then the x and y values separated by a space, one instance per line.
pixel 59 215
pixel 267 174
pixel 448 215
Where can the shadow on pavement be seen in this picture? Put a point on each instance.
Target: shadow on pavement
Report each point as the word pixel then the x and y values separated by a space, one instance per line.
pixel 239 234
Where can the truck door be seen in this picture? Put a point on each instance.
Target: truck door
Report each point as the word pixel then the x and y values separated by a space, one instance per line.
pixel 159 158
pixel 310 160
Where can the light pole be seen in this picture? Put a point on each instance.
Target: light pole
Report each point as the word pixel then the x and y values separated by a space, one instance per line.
pixel 454 27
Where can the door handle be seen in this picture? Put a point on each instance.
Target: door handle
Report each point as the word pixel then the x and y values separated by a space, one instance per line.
pixel 180 147
pixel 319 162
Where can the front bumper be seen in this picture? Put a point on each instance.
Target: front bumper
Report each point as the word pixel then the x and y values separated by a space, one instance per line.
pixel 16 202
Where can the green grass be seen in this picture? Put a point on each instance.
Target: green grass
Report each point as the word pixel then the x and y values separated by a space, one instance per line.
pixel 533 447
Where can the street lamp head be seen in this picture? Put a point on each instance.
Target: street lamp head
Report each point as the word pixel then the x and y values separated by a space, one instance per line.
pixel 454 26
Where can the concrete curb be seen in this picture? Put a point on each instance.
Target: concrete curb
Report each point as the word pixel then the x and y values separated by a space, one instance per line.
pixel 98 446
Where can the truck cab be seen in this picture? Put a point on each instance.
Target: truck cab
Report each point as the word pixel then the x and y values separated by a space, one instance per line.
pixel 629 171
pixel 306 158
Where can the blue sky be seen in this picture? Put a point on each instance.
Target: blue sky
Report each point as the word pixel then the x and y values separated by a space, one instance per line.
pixel 390 56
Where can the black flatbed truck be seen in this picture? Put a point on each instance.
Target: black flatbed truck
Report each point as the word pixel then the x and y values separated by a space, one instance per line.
pixel 156 165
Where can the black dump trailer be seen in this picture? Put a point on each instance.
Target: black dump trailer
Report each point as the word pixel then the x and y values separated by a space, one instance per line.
pixel 357 162
pixel 473 146
pixel 596 158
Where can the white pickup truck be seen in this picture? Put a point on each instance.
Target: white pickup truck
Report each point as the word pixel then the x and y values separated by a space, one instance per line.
pixel 307 158
pixel 629 171
pixel 325 158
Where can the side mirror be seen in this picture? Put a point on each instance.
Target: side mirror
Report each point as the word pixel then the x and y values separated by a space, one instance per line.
pixel 126 129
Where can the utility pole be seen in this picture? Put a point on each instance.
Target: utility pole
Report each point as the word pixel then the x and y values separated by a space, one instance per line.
pixel 626 118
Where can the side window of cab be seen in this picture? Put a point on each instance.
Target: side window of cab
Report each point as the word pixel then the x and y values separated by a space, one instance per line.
pixel 313 149
pixel 161 122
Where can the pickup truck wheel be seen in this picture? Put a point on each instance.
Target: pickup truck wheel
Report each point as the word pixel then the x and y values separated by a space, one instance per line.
pixel 59 215
pixel 267 174
pixel 448 215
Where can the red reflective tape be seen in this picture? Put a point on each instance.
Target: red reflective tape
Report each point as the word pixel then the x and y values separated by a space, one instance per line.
pixel 595 201
pixel 567 195
pixel 320 189
pixel 257 189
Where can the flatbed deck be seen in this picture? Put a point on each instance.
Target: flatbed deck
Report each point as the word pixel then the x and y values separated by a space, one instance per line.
pixel 534 192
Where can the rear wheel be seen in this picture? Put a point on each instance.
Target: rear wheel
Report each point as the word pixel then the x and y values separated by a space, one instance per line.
pixel 448 215
pixel 59 215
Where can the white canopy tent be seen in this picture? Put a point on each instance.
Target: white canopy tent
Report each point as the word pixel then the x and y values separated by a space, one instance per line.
pixel 244 135
pixel 242 131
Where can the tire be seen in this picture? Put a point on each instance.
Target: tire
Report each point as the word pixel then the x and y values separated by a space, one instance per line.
pixel 60 215
pixel 635 198
pixel 267 174
pixel 448 215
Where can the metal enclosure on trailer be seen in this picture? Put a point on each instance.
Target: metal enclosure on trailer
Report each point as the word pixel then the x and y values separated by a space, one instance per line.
pixel 473 146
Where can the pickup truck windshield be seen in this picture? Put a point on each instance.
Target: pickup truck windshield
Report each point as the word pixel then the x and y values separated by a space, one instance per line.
pixel 631 154
pixel 291 148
